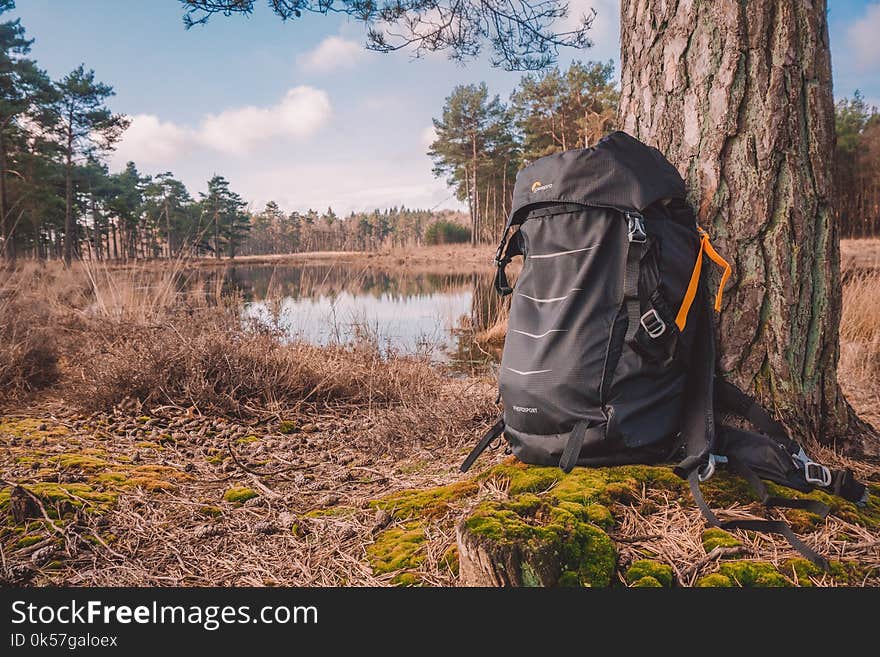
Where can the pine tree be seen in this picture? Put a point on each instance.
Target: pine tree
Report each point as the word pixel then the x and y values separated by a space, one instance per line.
pixel 25 91
pixel 557 111
pixel 86 128
pixel 472 125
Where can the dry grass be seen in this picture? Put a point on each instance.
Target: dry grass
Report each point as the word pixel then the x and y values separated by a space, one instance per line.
pixel 130 337
pixel 859 368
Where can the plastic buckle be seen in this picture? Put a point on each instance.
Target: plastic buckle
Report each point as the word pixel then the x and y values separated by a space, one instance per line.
pixel 653 324
pixel 636 228
pixel 817 474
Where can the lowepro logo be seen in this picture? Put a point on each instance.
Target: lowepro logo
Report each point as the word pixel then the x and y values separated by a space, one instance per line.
pixel 525 409
pixel 538 186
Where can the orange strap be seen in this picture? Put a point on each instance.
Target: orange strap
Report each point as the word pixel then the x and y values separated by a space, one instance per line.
pixel 694 284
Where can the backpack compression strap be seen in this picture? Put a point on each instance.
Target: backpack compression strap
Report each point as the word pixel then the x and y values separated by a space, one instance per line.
pixel 839 482
pixel 764 526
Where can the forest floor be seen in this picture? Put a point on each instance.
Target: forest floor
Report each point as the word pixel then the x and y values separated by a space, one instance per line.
pixel 149 440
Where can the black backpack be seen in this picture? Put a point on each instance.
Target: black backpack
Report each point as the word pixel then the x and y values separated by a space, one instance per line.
pixel 609 357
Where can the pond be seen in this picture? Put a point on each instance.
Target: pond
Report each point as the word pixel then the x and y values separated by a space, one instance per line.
pixel 436 315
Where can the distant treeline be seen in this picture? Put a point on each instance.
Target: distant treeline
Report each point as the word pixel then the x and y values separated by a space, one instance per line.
pixel 858 168
pixel 273 231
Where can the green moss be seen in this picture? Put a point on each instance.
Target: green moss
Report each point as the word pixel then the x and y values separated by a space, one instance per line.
pixel 758 574
pixel 801 570
pixel 288 427
pixel 75 494
pixel 724 490
pixel 407 579
pixel 550 541
pixel 210 511
pixel 568 579
pixel 450 559
pixel 238 495
pixel 851 573
pixel 216 458
pixel 144 419
pixel 109 478
pixel 398 548
pixel 714 580
pixel 524 478
pixel 866 516
pixel 28 540
pixel 79 461
pixel 29 428
pixel 661 572
pixel 715 537
pixel 424 503
pixel 247 439
pixel 646 582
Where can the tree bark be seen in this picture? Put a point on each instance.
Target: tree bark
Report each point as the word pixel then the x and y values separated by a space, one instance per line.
pixel 68 198
pixel 738 96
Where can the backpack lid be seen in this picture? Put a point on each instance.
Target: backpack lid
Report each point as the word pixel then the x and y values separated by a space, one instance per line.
pixel 619 172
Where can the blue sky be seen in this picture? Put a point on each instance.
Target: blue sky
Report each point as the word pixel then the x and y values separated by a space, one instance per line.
pixel 298 112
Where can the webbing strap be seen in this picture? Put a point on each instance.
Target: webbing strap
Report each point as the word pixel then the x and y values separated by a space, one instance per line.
pixel 690 294
pixel 636 250
pixel 514 248
pixel 732 399
pixel 494 431
pixel 581 435
pixel 698 418
pixel 813 506
pixel 763 526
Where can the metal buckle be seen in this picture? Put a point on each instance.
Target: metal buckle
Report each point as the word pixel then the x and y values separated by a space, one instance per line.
pixel 636 228
pixel 705 473
pixel 657 326
pixel 817 474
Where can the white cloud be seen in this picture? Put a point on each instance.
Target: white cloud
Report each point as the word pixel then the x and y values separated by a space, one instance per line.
pixel 300 113
pixel 863 36
pixel 429 136
pixel 149 140
pixel 331 54
pixel 369 183
pixel 605 29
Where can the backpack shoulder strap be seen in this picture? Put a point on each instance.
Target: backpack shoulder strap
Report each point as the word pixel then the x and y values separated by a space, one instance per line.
pixel 493 432
pixel 698 420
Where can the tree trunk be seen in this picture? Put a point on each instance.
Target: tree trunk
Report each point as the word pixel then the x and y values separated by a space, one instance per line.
pixel 7 227
pixel 738 96
pixel 475 237
pixel 68 199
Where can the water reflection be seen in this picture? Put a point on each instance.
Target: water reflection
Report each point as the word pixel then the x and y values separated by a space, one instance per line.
pixel 443 316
